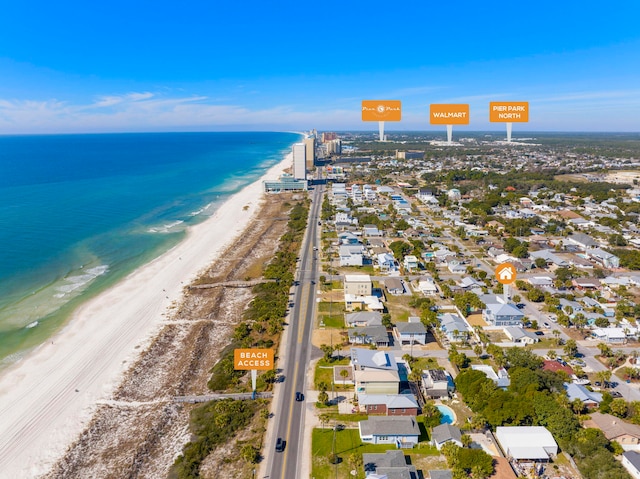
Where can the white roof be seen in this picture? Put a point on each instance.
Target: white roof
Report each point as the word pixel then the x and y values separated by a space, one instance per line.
pixel 357 278
pixel 526 442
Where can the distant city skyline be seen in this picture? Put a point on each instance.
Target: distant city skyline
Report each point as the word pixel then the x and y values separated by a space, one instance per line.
pixel 73 67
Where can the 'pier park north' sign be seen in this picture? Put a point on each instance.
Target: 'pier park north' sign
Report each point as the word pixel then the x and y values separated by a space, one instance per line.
pixel 248 359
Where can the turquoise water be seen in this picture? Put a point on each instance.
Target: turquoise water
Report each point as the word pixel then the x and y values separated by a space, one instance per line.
pixel 79 212
pixel 448 416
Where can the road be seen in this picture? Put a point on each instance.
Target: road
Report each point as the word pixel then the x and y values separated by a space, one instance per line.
pixel 289 413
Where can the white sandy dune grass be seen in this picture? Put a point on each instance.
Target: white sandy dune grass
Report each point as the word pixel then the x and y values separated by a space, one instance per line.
pixel 48 398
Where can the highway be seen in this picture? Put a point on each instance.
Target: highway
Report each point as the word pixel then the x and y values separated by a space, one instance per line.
pixel 290 414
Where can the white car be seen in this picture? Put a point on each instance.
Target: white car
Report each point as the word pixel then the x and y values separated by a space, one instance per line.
pixel 546 325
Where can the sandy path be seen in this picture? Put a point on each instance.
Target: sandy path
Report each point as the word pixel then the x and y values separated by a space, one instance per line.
pixel 47 399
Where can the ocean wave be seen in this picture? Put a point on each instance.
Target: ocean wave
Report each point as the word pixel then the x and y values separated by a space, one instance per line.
pixel 79 281
pixel 166 228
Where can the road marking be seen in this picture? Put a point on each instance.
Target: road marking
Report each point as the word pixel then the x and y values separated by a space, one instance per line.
pixel 291 404
pixel 304 306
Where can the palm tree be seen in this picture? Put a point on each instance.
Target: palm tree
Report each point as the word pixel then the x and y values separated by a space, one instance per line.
pixel 552 354
pixel 344 374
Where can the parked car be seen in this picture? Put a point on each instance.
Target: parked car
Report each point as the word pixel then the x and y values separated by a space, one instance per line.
pixel 615 394
pixel 546 325
pixel 521 305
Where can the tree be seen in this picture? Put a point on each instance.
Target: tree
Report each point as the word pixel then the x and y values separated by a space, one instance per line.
pixel 323 397
pixel 400 249
pixel 328 352
pixel 605 350
pixel 571 348
pixel 619 408
pixel 344 374
pixel 466 440
pixel 540 263
pixel 250 454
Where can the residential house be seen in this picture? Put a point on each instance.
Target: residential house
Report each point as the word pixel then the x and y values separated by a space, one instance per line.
pixel 586 284
pixel 375 372
pixel 444 433
pixel 351 255
pixel 387 262
pixel 371 231
pixel 427 286
pixel 603 258
pixel 394 286
pixel 410 263
pixel 454 327
pixel 455 267
pixel 389 404
pixel 582 241
pixel 611 335
pixel 501 379
pixel 526 443
pixel 631 462
pixel 346 237
pixel 502 314
pixel 550 257
pixel 357 284
pixel 590 399
pixel 389 464
pixel 403 431
pixel 410 332
pixel 520 336
pixel 436 383
pixel 468 283
pixel 615 429
pixel 363 318
pixel 369 335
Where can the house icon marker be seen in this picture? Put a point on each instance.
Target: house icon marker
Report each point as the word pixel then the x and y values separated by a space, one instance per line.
pixel 506 273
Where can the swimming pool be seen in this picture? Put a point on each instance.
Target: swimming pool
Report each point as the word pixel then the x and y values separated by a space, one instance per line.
pixel 448 416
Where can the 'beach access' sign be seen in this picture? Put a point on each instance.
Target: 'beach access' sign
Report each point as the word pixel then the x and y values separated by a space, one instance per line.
pixel 256 359
pixel 381 110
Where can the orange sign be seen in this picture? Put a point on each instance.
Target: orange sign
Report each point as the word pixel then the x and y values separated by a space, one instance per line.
pixel 247 359
pixel 509 111
pixel 506 273
pixel 381 110
pixel 453 114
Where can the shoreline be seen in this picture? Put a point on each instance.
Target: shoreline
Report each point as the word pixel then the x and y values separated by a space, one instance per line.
pixel 51 394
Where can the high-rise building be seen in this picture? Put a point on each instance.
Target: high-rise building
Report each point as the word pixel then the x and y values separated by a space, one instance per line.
pixel 299 161
pixel 334 147
pixel 310 146
pixel 328 136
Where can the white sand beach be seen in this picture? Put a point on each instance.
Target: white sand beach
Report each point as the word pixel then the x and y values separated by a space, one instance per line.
pixel 47 399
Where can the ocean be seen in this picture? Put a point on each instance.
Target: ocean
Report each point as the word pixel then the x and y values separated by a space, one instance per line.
pixel 80 212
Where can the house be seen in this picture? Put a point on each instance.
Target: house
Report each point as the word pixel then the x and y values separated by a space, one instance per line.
pixel 387 262
pixel 394 286
pixel 369 335
pixel 427 286
pixel 351 255
pixel 520 336
pixel 603 258
pixel 411 332
pixel 610 335
pixel 371 231
pixel 357 284
pixel 615 429
pixel 549 257
pixel 389 404
pixel 455 267
pixel 502 314
pixel 526 443
pixel 370 303
pixel 363 318
pixel 375 372
pixel 390 464
pixel 445 433
pixel 469 283
pixel 403 431
pixel 582 241
pixel 501 379
pixel 436 383
pixel 631 462
pixel 346 237
pixel 590 399
pixel 410 263
pixel 454 327
pixel 586 284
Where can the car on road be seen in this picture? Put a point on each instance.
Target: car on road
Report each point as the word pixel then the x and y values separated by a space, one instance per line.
pixel 615 394
pixel 315 248
pixel 546 325
pixel 280 444
pixel 299 396
pixel 521 305
pixel 539 333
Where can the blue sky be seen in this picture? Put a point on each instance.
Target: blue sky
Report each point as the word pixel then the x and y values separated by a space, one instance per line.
pixel 209 65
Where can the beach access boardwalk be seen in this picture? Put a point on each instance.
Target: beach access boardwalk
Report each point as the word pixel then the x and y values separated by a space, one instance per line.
pixel 232 284
pixel 219 397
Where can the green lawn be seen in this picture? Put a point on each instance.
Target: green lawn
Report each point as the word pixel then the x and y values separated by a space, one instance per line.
pixel 332 321
pixel 324 372
pixel 347 447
